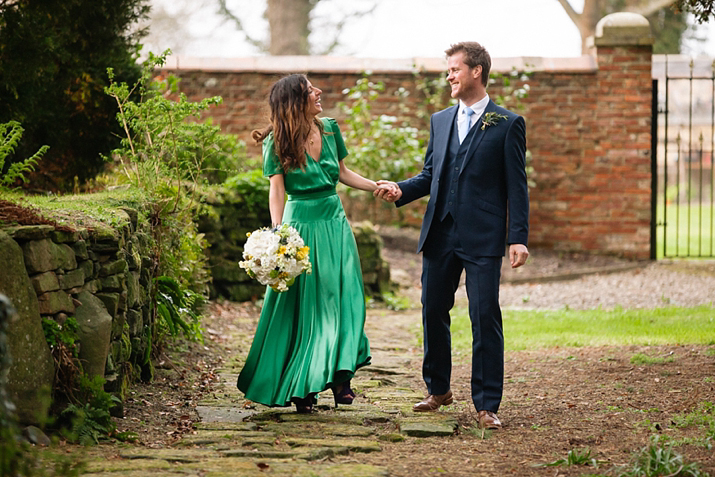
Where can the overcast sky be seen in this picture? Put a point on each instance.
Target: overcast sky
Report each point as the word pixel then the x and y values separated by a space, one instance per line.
pixel 411 28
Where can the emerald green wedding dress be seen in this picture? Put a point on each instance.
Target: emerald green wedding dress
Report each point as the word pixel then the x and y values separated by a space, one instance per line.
pixel 311 337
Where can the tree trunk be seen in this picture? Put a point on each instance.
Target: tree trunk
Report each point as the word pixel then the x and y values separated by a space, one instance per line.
pixel 589 18
pixel 594 10
pixel 289 22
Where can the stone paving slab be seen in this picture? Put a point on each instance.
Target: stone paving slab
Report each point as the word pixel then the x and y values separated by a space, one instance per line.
pixel 227 426
pixel 143 473
pixel 234 467
pixel 121 465
pixel 354 445
pixel 318 429
pixel 169 455
pixel 432 426
pixel 222 414
pixel 212 438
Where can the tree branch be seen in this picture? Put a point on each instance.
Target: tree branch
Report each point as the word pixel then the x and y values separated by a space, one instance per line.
pixel 341 24
pixel 648 7
pixel 573 15
pixel 223 10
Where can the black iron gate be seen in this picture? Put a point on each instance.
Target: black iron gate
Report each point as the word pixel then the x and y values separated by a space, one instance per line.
pixel 683 150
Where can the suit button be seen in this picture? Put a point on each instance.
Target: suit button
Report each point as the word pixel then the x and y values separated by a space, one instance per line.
pixel 456 168
pixel 452 191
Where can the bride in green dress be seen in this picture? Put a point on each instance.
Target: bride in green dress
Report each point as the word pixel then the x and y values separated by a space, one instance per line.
pixel 311 337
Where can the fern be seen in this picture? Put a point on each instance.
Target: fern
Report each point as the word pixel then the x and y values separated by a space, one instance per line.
pixel 10 135
pixel 177 308
pixel 88 423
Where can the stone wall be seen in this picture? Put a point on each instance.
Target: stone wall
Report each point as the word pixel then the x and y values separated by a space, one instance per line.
pixel 588 125
pixel 100 278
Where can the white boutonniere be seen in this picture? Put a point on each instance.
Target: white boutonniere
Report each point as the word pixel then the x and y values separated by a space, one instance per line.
pixel 491 119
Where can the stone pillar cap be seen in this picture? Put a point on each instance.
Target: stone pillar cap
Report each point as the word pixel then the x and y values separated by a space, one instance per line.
pixel 622 29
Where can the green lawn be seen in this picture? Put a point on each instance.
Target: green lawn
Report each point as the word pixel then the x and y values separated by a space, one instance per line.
pixel 545 329
pixel 689 229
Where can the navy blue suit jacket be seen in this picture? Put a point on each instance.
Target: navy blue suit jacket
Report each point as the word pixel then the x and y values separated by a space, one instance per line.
pixel 491 185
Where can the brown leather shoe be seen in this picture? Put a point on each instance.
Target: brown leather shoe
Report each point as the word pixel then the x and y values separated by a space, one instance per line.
pixel 433 402
pixel 488 420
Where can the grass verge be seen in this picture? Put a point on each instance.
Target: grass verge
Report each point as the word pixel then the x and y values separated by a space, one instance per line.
pixel 577 328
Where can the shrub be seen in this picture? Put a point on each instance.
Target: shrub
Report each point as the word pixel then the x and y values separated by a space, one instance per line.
pixel 54 57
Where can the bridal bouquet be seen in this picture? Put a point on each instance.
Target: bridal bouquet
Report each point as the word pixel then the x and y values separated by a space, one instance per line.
pixel 275 256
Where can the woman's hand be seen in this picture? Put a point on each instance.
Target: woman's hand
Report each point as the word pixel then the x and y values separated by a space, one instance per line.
pixel 388 191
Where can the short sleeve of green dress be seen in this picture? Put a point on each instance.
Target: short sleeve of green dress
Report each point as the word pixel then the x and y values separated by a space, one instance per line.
pixel 319 174
pixel 311 336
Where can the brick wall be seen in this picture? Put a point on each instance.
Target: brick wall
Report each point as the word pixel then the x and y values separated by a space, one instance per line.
pixel 588 126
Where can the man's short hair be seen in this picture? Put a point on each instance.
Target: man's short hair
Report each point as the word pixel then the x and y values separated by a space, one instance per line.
pixel 474 54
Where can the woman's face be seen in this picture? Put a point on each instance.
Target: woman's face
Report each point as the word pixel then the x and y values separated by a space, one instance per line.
pixel 314 107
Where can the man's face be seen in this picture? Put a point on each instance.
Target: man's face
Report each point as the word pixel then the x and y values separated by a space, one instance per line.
pixel 463 79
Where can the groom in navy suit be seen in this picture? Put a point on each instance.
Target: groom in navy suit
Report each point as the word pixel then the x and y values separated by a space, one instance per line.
pixel 474 173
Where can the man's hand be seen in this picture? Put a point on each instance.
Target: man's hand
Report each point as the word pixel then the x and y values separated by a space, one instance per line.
pixel 518 254
pixel 388 191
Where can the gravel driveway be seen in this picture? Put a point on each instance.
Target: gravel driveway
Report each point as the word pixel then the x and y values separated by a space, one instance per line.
pixel 554 280
pixel 656 284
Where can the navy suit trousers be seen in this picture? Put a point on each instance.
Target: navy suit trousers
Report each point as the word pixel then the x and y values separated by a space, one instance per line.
pixel 443 262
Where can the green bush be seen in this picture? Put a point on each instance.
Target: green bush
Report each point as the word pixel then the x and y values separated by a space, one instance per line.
pixel 252 187
pixel 54 57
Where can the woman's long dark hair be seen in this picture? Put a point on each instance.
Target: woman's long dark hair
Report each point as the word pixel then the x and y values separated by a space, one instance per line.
pixel 289 122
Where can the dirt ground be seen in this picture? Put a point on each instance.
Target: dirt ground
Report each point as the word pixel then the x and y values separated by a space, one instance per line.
pixel 556 400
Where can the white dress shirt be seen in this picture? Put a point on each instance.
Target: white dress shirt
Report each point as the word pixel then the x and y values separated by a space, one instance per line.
pixel 477 107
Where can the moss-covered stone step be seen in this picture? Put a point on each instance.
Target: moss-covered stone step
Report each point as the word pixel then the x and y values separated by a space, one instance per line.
pixel 126 465
pixel 227 426
pixel 169 455
pixel 233 467
pixel 429 426
pixel 225 414
pixel 354 445
pixel 300 429
pixel 223 437
pixel 298 453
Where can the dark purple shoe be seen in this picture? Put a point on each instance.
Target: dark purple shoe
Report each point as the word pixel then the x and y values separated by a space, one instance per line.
pixel 343 394
pixel 304 405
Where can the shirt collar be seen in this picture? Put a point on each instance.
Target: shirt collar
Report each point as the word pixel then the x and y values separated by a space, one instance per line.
pixel 477 107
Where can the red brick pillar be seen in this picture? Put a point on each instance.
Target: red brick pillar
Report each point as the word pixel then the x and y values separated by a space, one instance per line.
pixel 617 195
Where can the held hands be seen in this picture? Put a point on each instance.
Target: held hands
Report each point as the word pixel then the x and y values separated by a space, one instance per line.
pixel 518 254
pixel 388 191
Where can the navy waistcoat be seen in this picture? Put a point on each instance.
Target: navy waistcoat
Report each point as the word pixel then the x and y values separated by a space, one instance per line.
pixel 449 179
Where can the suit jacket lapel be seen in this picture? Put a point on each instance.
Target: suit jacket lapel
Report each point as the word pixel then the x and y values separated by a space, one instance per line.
pixel 478 135
pixel 442 132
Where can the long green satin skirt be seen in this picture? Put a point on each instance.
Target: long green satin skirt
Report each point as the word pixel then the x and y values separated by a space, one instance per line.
pixel 311 336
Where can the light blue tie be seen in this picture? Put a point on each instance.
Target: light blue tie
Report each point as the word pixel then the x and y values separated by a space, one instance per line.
pixel 465 124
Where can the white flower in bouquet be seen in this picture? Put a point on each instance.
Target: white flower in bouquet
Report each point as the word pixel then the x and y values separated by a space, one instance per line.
pixel 275 257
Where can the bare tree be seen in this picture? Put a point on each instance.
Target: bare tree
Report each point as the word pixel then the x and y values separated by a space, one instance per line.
pixel 167 27
pixel 290 24
pixel 594 10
